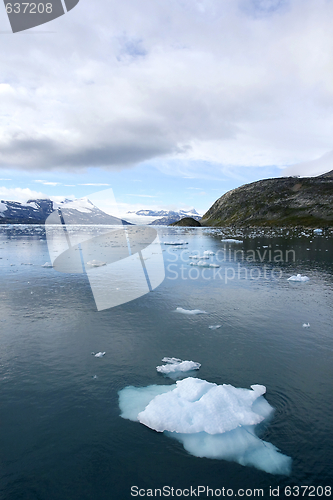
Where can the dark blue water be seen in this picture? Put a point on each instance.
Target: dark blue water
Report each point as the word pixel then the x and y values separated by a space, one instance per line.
pixel 61 436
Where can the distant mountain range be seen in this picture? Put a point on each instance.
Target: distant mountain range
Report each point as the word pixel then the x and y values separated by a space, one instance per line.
pixel 161 217
pixel 80 211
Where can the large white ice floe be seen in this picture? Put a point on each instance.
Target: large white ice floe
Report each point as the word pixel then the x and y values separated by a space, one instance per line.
pixel 298 277
pixel 210 420
pixel 175 365
pixel 190 311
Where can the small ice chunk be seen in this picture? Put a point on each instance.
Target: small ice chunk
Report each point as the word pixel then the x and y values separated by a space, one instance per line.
pixel 47 264
pixel 299 277
pixel 198 257
pixel 214 327
pixel 190 311
pixel 171 360
pixel 202 263
pixel 96 263
pixel 208 252
pixel 175 365
pixel 306 325
pixel 231 240
pixel 176 243
pixel 318 231
pixel 100 354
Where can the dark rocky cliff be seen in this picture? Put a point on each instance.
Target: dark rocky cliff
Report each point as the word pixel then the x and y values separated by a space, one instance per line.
pixel 187 222
pixel 284 201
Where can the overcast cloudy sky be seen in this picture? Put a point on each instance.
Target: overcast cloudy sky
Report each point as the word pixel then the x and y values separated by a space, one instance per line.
pixel 168 102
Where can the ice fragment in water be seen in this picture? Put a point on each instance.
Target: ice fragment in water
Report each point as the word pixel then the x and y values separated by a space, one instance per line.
pixel 189 311
pixel 96 263
pixel 175 365
pixel 198 257
pixel 299 277
pixel 176 243
pixel 306 325
pixel 214 327
pixel 210 420
pixel 202 263
pixel 231 240
pixel 99 354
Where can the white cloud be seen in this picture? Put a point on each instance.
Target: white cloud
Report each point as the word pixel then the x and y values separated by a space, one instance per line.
pixel 48 183
pixel 311 168
pixel 232 83
pixel 20 194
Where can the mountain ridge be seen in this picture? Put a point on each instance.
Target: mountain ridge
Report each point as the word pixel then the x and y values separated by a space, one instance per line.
pixel 282 201
pixel 165 217
pixel 78 211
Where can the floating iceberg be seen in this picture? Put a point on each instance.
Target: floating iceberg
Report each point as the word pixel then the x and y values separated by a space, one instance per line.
pixel 318 231
pixel 176 243
pixel 210 420
pixel 198 257
pixel 96 263
pixel 208 252
pixel 306 325
pixel 47 264
pixel 202 263
pixel 299 277
pixel 189 311
pixel 231 240
pixel 214 327
pixel 99 354
pixel 175 365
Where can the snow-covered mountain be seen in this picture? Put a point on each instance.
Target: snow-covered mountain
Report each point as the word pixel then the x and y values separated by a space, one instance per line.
pixel 78 211
pixel 160 217
pixel 32 212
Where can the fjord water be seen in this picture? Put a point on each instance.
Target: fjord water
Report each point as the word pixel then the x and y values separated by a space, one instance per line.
pixel 61 436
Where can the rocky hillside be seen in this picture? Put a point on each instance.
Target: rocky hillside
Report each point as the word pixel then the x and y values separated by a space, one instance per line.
pixel 187 222
pixel 284 201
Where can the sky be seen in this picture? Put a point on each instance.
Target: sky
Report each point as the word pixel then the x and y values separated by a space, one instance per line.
pixel 170 103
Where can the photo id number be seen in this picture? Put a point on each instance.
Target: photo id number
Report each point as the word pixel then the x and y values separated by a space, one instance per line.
pixel 28 8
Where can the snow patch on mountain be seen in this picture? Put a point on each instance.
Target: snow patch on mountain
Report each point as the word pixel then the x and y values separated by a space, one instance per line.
pixel 163 217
